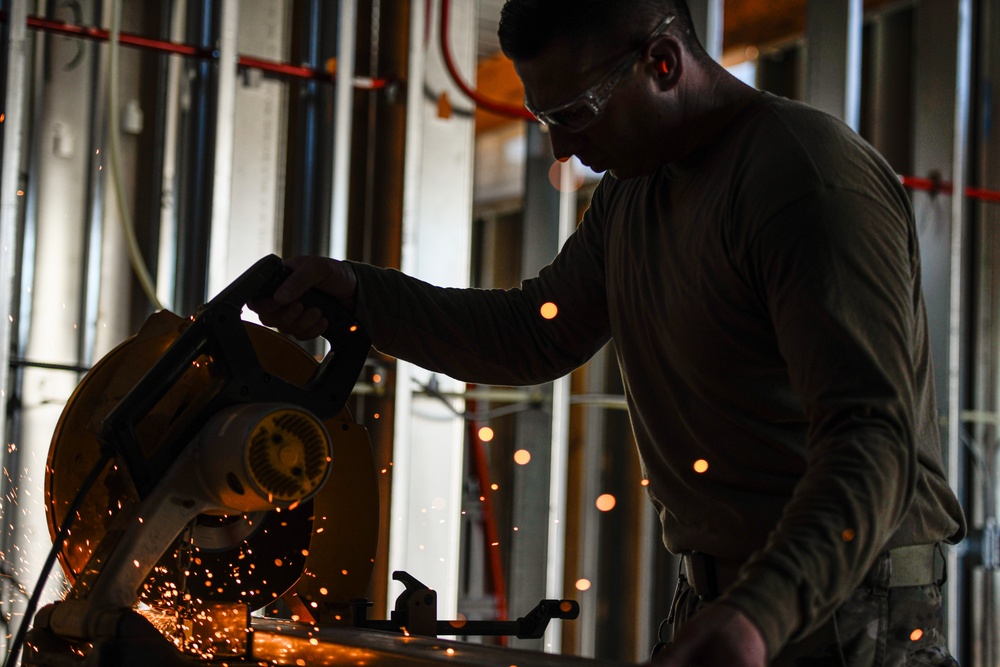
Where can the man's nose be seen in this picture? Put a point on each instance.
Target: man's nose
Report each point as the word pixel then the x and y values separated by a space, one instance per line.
pixel 563 143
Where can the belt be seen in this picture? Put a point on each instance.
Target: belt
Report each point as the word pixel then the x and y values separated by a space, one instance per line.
pixel 916 565
pixel 908 566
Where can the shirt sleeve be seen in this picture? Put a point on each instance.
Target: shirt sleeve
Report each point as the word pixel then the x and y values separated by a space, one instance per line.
pixel 838 272
pixel 494 336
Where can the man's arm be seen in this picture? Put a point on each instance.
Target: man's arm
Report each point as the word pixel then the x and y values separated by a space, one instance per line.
pixel 542 330
pixel 838 272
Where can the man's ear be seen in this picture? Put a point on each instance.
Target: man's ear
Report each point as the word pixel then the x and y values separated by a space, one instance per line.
pixel 663 58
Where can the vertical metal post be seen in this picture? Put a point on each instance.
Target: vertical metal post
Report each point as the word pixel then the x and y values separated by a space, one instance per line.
pixel 222 181
pixel 532 484
pixel 956 349
pixel 588 546
pixel 559 461
pixel 985 617
pixel 427 468
pixel 101 119
pixel 939 108
pixel 343 117
pixel 11 194
pixel 889 90
pixel 60 167
pixel 707 16
pixel 167 257
pixel 195 167
pixel 833 45
pixel 257 125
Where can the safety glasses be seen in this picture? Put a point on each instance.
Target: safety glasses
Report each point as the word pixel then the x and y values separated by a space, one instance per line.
pixel 583 111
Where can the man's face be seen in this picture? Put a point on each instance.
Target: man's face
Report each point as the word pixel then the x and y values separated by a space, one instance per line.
pixel 625 137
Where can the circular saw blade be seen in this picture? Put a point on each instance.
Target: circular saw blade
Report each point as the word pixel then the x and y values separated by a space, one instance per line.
pixel 250 558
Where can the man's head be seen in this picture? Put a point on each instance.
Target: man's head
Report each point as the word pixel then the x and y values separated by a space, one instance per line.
pixel 605 75
pixel 529 27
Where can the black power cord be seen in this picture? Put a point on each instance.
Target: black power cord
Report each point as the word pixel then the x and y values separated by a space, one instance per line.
pixel 29 612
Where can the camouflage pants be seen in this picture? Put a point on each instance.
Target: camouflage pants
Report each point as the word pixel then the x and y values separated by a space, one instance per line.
pixel 876 626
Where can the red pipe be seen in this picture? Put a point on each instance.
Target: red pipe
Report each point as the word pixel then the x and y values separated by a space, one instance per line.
pixel 102 35
pixel 482 471
pixel 931 185
pixel 936 185
pixel 163 46
pixel 481 101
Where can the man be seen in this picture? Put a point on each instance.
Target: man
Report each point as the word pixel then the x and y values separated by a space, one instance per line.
pixel 756 266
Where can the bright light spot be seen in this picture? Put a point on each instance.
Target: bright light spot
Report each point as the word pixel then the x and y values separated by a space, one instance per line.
pixel 323 591
pixel 847 535
pixel 700 466
pixel 277 561
pixel 20 193
pixel 522 456
pixel 486 434
pixel 450 651
pixel 376 415
pixel 644 482
pixel 494 486
pixel 571 184
pixel 376 378
pixel 916 635
pixel 549 310
pixel 582 584
pixel 605 502
pixel 354 327
pixel 459 622
pixel 565 606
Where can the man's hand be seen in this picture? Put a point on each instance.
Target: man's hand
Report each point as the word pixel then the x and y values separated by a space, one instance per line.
pixel 719 636
pixel 286 313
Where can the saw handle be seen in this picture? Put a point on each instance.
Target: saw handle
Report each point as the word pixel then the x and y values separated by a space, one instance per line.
pixel 217 330
pixel 341 324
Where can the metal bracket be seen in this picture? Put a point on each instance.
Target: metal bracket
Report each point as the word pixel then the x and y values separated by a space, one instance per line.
pixel 416 614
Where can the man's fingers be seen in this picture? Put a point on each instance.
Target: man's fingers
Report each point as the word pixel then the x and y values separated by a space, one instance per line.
pixel 307 272
pixel 285 311
pixel 264 307
pixel 295 320
pixel 285 317
pixel 308 322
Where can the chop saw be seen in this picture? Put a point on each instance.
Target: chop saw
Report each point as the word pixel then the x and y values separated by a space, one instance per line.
pixel 230 480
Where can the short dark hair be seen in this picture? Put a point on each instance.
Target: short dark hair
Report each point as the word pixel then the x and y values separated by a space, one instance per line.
pixel 528 27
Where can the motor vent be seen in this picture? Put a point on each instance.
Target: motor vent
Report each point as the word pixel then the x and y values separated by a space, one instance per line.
pixel 289 455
